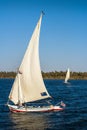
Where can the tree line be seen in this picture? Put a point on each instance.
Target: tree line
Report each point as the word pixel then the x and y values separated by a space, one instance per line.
pixel 61 75
pixel 50 75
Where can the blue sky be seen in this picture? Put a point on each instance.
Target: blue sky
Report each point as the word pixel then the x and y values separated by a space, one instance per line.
pixel 63 39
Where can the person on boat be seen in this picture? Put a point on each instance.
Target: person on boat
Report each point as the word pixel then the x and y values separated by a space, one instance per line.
pixel 24 104
pixel 51 106
pixel 19 104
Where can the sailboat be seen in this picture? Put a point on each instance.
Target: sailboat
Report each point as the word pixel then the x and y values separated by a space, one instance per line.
pixel 28 85
pixel 67 76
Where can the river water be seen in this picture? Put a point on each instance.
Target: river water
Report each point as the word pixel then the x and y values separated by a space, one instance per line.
pixel 74 117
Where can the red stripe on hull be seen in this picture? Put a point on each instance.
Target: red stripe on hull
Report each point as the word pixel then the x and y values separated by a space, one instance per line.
pixel 15 110
pixel 19 111
pixel 59 109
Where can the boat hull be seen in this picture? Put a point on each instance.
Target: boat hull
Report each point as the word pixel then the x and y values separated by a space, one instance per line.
pixel 23 109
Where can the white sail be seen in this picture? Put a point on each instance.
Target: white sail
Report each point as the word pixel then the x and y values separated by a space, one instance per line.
pixel 31 81
pixel 20 95
pixel 67 75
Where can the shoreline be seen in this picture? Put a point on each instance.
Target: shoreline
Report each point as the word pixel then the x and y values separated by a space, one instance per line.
pixel 49 75
pixel 49 78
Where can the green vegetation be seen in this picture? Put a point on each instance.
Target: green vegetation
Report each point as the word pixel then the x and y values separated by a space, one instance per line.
pixel 61 75
pixel 50 75
pixel 7 74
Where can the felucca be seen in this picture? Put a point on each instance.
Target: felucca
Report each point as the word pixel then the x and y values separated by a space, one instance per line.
pixel 28 86
pixel 67 76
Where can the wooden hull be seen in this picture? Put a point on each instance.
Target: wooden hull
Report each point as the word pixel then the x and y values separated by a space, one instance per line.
pixel 15 109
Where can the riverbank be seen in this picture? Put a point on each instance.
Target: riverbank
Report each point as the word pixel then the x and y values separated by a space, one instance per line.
pixel 50 75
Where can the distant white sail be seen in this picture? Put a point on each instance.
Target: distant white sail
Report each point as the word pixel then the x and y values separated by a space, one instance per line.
pixel 32 85
pixel 67 75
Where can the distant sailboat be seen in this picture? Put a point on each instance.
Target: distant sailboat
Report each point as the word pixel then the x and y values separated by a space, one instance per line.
pixel 67 76
pixel 28 86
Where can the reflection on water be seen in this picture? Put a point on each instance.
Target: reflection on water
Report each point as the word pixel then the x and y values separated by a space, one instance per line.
pixel 29 121
pixel 37 121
